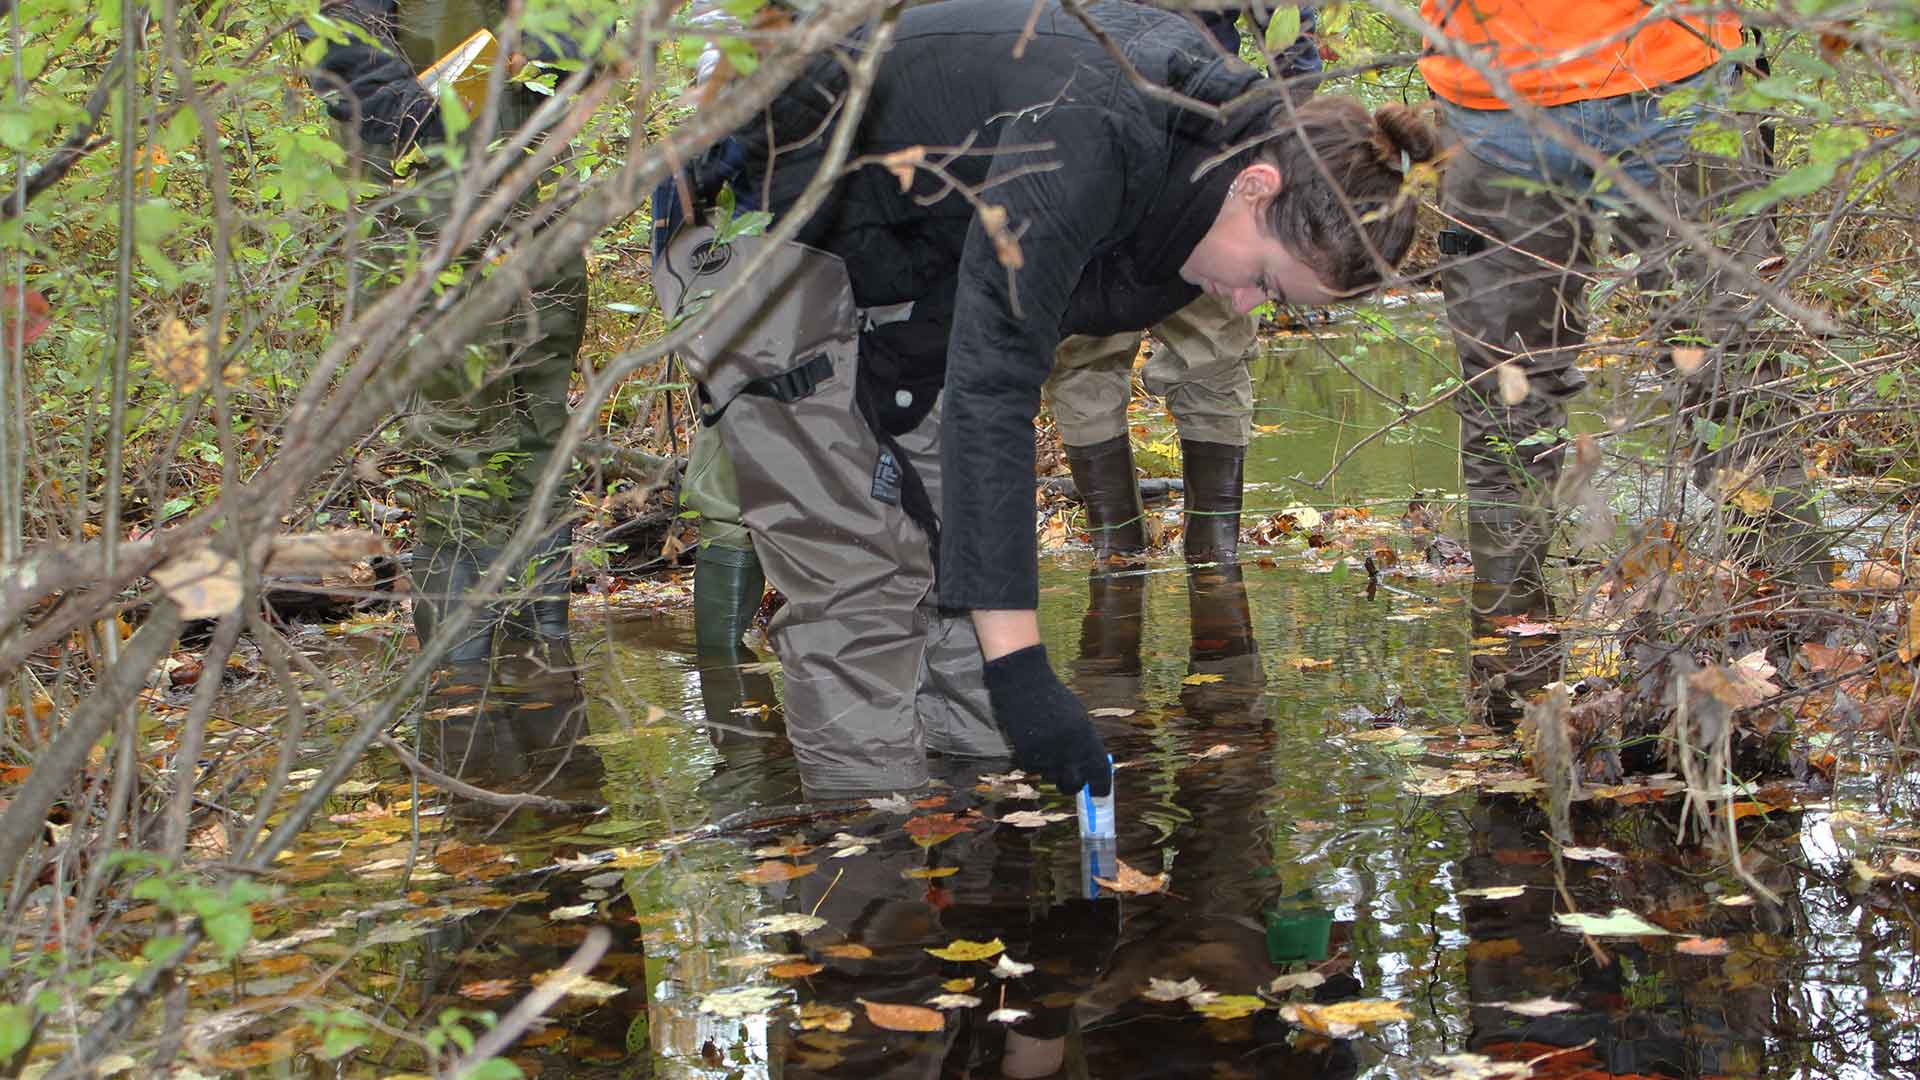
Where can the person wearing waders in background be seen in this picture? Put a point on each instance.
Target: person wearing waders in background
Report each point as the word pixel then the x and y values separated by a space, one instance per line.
pixel 876 382
pixel 483 434
pixel 1524 213
pixel 1199 367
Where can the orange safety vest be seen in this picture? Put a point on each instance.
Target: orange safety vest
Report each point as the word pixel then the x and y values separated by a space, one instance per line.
pixel 1556 51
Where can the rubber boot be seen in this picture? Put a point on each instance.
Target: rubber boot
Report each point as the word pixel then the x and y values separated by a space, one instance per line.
pixel 542 615
pixel 1509 547
pixel 727 588
pixel 1104 474
pixel 1106 674
pixel 1215 480
pixel 448 573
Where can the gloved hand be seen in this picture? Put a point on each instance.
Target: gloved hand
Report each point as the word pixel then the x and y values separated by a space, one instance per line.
pixel 1047 725
pixel 382 93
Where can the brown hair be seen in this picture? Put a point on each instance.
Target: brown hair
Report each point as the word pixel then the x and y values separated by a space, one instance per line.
pixel 1367 158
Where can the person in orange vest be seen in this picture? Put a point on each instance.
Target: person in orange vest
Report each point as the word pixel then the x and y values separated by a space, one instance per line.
pixel 1532 94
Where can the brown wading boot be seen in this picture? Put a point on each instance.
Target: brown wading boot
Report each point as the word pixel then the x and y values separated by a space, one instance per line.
pixel 1103 472
pixel 1224 644
pixel 1215 481
pixel 1509 547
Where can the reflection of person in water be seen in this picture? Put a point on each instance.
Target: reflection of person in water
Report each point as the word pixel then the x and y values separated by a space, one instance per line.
pixel 1645 1009
pixel 518 731
pixel 1106 674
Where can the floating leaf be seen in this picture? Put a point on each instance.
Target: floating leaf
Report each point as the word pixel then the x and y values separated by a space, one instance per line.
pixel 1032 819
pixel 488 989
pixel 892 1017
pixel 930 872
pixel 1589 854
pixel 963 950
pixel 1228 1006
pixel 795 969
pixel 1169 990
pixel 930 829
pixel 1694 946
pixel 769 872
pixel 573 911
pixel 1202 678
pixel 1129 880
pixel 1305 980
pixel 758 959
pixel 743 1002
pixel 1111 711
pixel 1477 1067
pixel 953 1001
pixel 1496 892
pixel 1737 900
pixel 849 852
pixel 1308 663
pixel 1617 923
pixel 1008 968
pixel 1540 1006
pixel 780 924
pixel 851 950
pixel 818 1014
pixel 1217 750
pixel 579 985
pixel 1008 1016
pixel 1344 1019
pixel 782 851
pixel 892 804
pixel 957 986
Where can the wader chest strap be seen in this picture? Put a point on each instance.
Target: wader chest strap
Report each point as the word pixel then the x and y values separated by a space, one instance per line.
pixel 786 387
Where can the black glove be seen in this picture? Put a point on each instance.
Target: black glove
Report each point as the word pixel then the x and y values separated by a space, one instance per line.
pixel 381 91
pixel 1047 725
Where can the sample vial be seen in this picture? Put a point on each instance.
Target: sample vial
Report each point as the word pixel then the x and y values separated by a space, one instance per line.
pixel 1096 813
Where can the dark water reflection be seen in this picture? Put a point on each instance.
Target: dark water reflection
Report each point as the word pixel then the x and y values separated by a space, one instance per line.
pixel 1282 815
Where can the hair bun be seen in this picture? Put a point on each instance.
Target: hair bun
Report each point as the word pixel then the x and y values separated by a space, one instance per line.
pixel 1398 130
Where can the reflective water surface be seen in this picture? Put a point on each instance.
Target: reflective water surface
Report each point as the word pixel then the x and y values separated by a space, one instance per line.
pixel 1297 756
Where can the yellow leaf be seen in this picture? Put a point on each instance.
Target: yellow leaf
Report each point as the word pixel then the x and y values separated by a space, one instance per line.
pixel 849 951
pixel 819 1015
pixel 1308 663
pixel 205 583
pixel 957 986
pixel 963 950
pixel 1202 678
pixel 797 969
pixel 1230 1007
pixel 1346 1018
pixel 178 355
pixel 929 872
pixel 1910 642
pixel 769 872
pixel 902 1017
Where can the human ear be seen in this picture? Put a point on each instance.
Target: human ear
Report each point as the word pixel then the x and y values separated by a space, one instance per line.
pixel 1258 181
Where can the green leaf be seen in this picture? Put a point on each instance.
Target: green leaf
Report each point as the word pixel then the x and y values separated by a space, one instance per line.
pixel 1284 28
pixel 16 1027
pixel 740 54
pixel 229 929
pixel 340 1041
pixel 1715 138
pixel 160 949
pixel 495 1069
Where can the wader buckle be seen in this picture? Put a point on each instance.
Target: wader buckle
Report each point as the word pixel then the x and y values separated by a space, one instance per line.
pixel 794 383
pixel 1460 242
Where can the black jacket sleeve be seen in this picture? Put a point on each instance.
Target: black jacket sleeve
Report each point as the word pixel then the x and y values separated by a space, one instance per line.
pixel 1006 326
pixel 368 83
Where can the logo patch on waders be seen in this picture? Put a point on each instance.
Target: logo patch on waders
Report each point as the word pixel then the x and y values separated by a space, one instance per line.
pixel 886 478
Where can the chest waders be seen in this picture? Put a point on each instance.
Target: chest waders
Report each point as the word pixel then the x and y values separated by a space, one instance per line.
pixel 484 428
pixel 876 675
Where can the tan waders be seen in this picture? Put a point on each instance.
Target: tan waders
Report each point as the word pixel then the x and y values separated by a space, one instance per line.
pixel 875 675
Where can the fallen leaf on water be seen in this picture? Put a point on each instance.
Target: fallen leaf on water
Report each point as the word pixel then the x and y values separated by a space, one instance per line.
pixel 819 1015
pixel 782 851
pixel 1540 1006
pixel 1305 980
pixel 846 840
pixel 1496 892
pixel 1217 750
pixel 1344 1019
pixel 488 989
pixel 848 951
pixel 1589 854
pixel 892 804
pixel 1694 946
pixel 797 969
pixel 1308 663
pixel 930 829
pixel 1738 900
pixel 758 959
pixel 1008 1016
pixel 1169 990
pixel 1111 711
pixel 964 950
pixel 579 985
pixel 769 872
pixel 780 924
pixel 1201 678
pixel 1530 629
pixel 849 852
pixel 953 1001
pixel 1032 819
pixel 572 911
pixel 1129 880
pixel 1008 968
pixel 1228 1006
pixel 743 1002
pixel 930 872
pixel 957 986
pixel 1477 1067
pixel 892 1017
pixel 1616 923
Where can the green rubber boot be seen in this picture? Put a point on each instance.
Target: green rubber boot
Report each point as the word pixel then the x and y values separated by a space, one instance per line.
pixel 727 587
